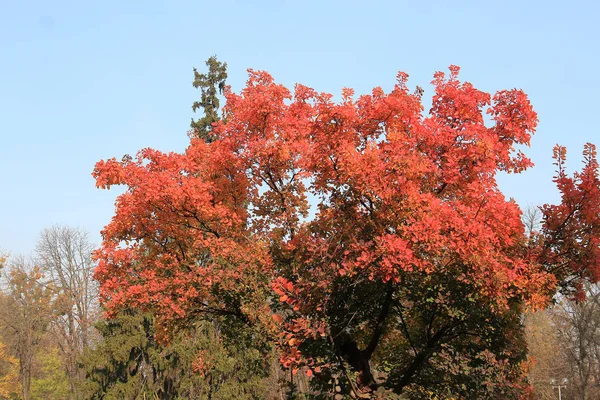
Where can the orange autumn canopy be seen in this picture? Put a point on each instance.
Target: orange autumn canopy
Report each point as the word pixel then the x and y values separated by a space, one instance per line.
pixel 301 197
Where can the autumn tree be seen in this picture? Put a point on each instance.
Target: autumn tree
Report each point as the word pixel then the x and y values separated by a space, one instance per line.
pixel 132 360
pixel 25 315
pixel 64 253
pixel 411 273
pixel 9 374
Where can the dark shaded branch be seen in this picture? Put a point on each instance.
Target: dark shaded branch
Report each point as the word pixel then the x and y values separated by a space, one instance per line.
pixel 380 323
pixel 420 359
pixel 405 328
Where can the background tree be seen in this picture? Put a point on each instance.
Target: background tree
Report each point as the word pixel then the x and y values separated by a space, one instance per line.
pixel 547 361
pixel 10 387
pixel 50 382
pixel 577 325
pixel 64 253
pixel 25 315
pixel 210 84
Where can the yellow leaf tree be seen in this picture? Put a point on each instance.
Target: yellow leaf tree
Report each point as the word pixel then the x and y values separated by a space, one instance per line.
pixel 10 386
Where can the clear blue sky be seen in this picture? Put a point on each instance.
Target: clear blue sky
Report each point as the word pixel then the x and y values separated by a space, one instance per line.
pixel 86 80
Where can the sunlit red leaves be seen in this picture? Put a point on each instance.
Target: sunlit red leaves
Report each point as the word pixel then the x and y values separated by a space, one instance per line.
pixel 571 230
pixel 286 292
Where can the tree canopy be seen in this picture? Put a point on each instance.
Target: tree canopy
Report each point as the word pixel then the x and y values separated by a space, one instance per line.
pixel 366 238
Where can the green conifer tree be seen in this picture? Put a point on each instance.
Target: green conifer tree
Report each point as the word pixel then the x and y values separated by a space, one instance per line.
pixel 211 84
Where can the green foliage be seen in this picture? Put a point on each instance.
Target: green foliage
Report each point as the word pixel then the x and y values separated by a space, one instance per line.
pixel 51 382
pixel 464 355
pixel 200 363
pixel 211 85
pixel 433 347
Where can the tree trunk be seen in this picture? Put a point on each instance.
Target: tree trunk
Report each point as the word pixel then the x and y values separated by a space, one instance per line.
pixel 25 378
pixel 358 361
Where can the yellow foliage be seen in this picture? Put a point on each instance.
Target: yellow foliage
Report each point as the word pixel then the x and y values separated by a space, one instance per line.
pixel 9 375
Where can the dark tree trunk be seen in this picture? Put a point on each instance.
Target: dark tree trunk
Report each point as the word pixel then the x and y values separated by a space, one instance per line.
pixel 359 363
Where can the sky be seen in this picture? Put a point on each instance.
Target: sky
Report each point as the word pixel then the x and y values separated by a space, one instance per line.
pixel 82 81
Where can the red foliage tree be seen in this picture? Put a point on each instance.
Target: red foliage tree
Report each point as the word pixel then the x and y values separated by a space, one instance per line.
pixel 412 259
